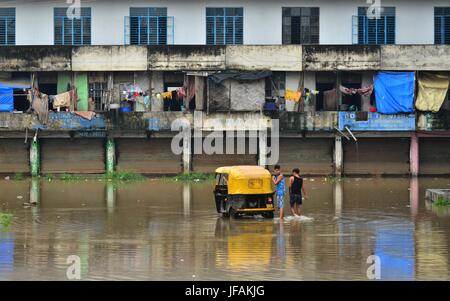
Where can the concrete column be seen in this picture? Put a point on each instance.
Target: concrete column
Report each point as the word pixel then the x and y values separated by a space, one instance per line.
pixel 262 154
pixel 110 156
pixel 338 156
pixel 157 84
pixel 35 160
pixel 187 153
pixel 414 155
pixel 199 93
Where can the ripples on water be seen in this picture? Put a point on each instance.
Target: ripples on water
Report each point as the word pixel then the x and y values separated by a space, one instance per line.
pixel 158 230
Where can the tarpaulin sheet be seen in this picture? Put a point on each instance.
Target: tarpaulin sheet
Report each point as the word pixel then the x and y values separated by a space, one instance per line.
pixel 7 95
pixel 6 99
pixel 394 92
pixel 432 91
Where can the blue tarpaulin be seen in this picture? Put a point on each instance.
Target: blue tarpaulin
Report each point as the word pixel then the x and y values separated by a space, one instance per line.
pixel 394 92
pixel 6 99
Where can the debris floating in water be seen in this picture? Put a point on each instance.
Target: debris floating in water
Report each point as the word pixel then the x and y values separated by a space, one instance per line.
pixel 20 197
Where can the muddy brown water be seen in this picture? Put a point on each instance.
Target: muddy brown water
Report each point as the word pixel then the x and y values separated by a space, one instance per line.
pixel 161 230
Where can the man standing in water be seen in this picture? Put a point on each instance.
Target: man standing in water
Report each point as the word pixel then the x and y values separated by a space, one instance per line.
pixel 295 191
pixel 278 180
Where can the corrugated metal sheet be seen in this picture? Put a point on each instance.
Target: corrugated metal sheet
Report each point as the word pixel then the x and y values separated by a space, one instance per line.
pixel 434 156
pixel 376 156
pixel 148 156
pixel 72 156
pixel 314 156
pixel 14 156
pixel 209 163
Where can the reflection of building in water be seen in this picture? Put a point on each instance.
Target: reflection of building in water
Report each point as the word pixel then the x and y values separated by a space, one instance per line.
pixel 432 259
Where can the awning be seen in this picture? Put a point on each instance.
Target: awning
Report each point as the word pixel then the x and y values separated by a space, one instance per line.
pixel 394 92
pixel 432 91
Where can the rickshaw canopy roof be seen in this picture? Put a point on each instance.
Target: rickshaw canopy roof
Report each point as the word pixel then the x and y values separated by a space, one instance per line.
pixel 247 179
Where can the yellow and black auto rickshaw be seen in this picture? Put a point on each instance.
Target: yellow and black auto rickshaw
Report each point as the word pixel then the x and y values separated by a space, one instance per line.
pixel 244 190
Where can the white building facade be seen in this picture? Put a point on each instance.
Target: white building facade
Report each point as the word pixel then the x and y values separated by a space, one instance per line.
pixel 257 22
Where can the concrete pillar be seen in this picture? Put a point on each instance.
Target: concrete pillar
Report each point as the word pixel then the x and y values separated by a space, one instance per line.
pixel 414 155
pixel 187 153
pixel 199 93
pixel 262 154
pixel 110 156
pixel 338 156
pixel 157 84
pixel 35 160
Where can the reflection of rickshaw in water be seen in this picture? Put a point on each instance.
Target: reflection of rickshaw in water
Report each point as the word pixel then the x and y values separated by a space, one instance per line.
pixel 238 240
pixel 244 190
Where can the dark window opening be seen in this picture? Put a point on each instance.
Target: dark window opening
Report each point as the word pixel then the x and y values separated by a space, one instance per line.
pixel 96 92
pixel 442 25
pixel 21 103
pixel 301 25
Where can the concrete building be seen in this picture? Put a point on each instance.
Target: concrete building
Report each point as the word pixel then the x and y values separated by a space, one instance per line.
pixel 234 56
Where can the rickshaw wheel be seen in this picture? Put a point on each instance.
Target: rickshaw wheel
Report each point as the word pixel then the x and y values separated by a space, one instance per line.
pixel 232 213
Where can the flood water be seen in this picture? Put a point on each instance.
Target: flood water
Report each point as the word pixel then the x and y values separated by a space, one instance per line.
pixel 163 230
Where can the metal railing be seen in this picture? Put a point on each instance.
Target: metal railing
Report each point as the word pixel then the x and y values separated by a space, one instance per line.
pixel 7 31
pixel 373 31
pixel 442 29
pixel 73 31
pixel 149 30
pixel 224 30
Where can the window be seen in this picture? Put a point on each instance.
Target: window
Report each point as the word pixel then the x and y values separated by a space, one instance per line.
pixel 96 91
pixel 72 31
pixel 224 26
pixel 375 30
pixel 300 25
pixel 149 26
pixel 442 25
pixel 7 26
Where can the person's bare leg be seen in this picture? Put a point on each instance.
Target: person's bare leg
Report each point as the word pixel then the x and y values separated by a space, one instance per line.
pixel 281 213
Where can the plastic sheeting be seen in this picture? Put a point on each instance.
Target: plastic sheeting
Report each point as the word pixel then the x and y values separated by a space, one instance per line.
pixel 432 91
pixel 6 99
pixel 394 92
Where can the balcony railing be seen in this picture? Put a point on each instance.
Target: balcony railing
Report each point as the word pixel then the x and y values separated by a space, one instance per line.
pixel 373 31
pixel 7 31
pixel 73 31
pixel 442 29
pixel 149 30
pixel 224 30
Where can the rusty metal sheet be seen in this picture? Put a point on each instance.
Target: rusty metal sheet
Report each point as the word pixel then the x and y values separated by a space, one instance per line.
pixel 434 156
pixel 313 156
pixel 147 156
pixel 14 156
pixel 79 156
pixel 376 156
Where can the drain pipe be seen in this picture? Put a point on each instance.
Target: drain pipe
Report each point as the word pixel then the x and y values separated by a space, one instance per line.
pixel 342 133
pixel 353 136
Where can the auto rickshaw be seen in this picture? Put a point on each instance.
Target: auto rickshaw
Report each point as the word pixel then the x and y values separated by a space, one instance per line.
pixel 244 190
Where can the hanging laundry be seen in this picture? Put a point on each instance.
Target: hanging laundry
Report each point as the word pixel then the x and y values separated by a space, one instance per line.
pixel 85 114
pixel 62 100
pixel 181 92
pixel 293 95
pixel 140 105
pixel 40 106
pixel 366 91
pixel 394 92
pixel 347 91
pixel 167 95
pixel 432 91
pixel 330 99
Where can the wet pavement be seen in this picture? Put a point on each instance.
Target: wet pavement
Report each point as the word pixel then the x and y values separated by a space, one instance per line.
pixel 164 230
